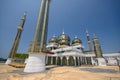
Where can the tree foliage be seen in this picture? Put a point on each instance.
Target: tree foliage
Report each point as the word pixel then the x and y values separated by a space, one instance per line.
pixel 21 55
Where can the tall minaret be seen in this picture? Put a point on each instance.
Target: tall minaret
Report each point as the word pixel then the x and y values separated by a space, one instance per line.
pixel 36 60
pixel 17 39
pixel 97 47
pixel 89 42
pixel 98 52
pixel 40 36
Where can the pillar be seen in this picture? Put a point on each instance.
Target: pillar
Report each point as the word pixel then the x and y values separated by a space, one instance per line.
pixel 67 57
pixel 51 60
pixel 78 60
pixel 81 60
pixel 56 60
pixel 38 45
pixel 85 60
pixel 61 58
pixel 74 57
pixel 46 60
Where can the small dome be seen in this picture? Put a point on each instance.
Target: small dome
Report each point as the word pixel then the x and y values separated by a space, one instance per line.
pixel 53 40
pixel 76 41
pixel 63 39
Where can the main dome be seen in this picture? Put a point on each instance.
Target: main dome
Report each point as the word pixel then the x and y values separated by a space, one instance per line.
pixel 64 39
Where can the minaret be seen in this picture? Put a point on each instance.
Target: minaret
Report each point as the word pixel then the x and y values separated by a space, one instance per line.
pixel 89 42
pixel 17 39
pixel 98 52
pixel 97 47
pixel 40 36
pixel 36 60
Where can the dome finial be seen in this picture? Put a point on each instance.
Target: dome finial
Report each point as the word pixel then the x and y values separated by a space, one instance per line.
pixel 86 31
pixel 76 36
pixel 63 32
pixel 25 13
pixel 94 36
pixel 87 34
pixel 54 35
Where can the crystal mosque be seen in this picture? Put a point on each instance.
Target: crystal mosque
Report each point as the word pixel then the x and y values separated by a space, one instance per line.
pixel 63 52
pixel 59 50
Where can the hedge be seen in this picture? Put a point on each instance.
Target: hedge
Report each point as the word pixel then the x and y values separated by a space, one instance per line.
pixel 21 55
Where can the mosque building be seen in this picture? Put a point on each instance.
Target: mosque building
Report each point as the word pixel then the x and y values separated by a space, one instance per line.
pixel 59 50
pixel 62 51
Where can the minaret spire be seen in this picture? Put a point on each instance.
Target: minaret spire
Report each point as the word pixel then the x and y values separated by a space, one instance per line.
pixel 36 60
pixel 98 52
pixel 63 32
pixel 17 37
pixel 89 42
pixel 97 47
pixel 40 36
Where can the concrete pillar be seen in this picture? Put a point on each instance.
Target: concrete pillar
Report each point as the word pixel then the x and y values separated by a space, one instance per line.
pixel 46 60
pixel 51 60
pixel 61 59
pixel 74 57
pixel 85 60
pixel 67 57
pixel 56 59
pixel 91 60
pixel 78 60
pixel 81 60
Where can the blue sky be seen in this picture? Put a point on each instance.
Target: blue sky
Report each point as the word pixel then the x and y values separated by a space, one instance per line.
pixel 99 17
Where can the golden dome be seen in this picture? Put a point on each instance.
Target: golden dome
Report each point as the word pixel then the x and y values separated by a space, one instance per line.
pixel 64 39
pixel 76 41
pixel 53 40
